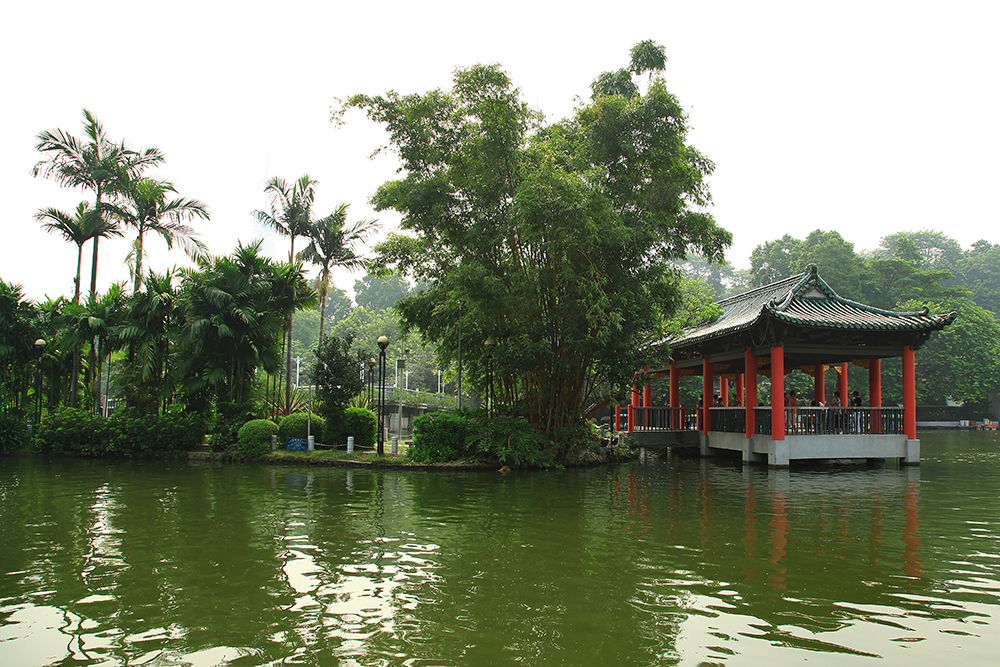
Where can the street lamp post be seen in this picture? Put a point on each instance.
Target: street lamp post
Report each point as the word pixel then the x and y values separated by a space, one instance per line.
pixel 40 346
pixel 400 366
pixel 383 342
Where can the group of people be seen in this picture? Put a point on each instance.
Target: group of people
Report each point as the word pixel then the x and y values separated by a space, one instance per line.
pixel 792 401
pixel 835 422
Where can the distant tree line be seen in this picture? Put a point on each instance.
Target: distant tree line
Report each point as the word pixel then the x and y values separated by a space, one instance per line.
pixel 907 271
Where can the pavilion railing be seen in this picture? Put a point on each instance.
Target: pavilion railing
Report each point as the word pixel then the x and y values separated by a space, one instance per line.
pixel 658 418
pixel 729 420
pixel 814 420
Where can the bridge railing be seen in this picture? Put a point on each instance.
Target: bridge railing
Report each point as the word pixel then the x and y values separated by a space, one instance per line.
pixel 809 420
pixel 654 418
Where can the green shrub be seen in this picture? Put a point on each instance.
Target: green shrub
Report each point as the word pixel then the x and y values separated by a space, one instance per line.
pixel 134 433
pixel 296 425
pixel 255 438
pixel 439 437
pixel 229 417
pixel 74 431
pixel 362 424
pixel 511 441
pixel 13 433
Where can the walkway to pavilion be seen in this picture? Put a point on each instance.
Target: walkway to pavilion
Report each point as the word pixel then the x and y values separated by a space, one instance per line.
pixel 799 322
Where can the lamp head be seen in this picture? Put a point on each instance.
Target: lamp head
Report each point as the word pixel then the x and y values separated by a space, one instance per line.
pixel 383 342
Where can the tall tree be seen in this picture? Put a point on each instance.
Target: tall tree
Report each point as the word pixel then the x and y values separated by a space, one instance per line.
pixel 333 244
pixel 96 164
pixel 553 241
pixel 148 209
pixel 85 224
pixel 291 216
pixel 150 326
pixel 231 326
pixel 979 270
pixel 772 261
pixel 379 292
pixel 18 318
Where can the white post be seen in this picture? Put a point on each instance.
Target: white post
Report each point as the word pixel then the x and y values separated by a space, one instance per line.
pixel 350 444
pixel 395 444
pixel 309 419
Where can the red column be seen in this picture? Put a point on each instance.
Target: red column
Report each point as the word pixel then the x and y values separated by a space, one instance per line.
pixel 618 418
pixel 750 391
pixel 706 391
pixel 632 407
pixel 842 384
pixel 724 391
pixel 909 394
pixel 647 398
pixel 778 392
pixel 875 391
pixel 819 383
pixel 675 392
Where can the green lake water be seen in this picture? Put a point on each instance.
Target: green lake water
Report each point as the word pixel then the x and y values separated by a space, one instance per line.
pixel 660 561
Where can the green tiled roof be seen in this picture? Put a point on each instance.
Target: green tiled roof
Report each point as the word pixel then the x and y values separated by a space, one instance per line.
pixel 806 300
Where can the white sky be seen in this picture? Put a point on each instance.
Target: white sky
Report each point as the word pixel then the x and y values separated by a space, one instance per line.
pixel 865 117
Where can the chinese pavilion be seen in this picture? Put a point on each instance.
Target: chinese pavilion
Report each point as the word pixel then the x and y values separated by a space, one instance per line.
pixel 799 322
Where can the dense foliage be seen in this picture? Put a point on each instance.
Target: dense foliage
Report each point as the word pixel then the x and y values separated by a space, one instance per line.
pixel 14 433
pixel 127 433
pixel 553 241
pixel 439 437
pixel 908 271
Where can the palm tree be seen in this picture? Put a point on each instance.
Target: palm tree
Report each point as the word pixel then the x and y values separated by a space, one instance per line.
pixel 332 245
pixel 291 216
pixel 148 210
pixel 152 319
pixel 18 322
pixel 86 223
pixel 97 322
pixel 290 292
pixel 96 164
pixel 231 324
pixel 291 209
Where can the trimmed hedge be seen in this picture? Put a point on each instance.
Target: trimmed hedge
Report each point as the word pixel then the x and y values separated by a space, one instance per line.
pixel 296 425
pixel 362 424
pixel 255 438
pixel 78 431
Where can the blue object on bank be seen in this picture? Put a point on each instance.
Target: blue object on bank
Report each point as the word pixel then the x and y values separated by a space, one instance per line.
pixel 297 444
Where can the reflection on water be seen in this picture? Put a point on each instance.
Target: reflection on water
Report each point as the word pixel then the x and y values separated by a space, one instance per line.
pixel 661 561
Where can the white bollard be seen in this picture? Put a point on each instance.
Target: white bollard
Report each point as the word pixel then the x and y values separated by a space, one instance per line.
pixel 274 443
pixel 395 444
pixel 350 444
pixel 312 443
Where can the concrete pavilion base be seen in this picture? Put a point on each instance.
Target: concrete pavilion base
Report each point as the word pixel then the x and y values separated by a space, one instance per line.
pixel 779 453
